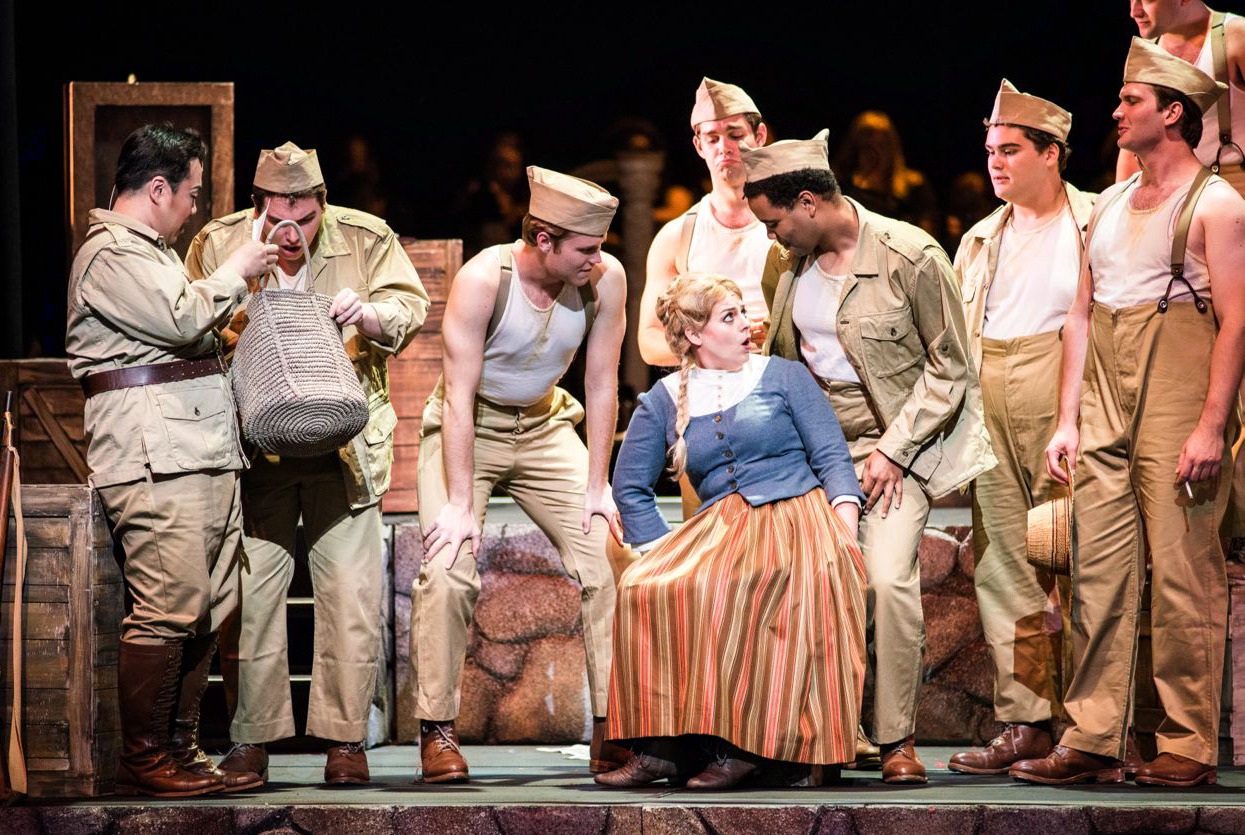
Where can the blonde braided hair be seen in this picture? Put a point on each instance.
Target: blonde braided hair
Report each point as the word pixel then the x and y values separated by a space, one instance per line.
pixel 686 305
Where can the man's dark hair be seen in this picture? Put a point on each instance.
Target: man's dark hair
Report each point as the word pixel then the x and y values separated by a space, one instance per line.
pixel 533 226
pixel 782 190
pixel 261 196
pixel 1041 141
pixel 753 120
pixel 1190 124
pixel 157 151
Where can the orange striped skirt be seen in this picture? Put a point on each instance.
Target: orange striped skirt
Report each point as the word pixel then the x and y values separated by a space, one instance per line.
pixel 747 623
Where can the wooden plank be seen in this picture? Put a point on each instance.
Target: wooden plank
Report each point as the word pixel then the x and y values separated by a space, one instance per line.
pixel 32 429
pixel 61 500
pixel 48 741
pixel 64 445
pixel 45 663
pixel 36 594
pixel 45 785
pixel 41 372
pixel 49 621
pixel 82 632
pixel 109 611
pixel 44 566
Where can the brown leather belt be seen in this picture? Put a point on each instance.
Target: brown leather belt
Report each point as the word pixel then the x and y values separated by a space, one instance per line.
pixel 146 375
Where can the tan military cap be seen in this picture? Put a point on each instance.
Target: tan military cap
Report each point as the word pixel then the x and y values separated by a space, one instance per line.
pixel 288 170
pixel 1012 107
pixel 717 100
pixel 787 155
pixel 1149 63
pixel 574 204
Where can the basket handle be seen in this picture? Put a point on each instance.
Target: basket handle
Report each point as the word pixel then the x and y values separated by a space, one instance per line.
pixel 1071 478
pixel 302 239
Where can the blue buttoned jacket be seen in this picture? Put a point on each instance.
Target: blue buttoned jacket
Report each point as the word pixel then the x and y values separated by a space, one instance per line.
pixel 780 441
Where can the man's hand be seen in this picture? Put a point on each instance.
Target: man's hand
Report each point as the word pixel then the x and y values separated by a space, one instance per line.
pixel 1065 444
pixel 347 308
pixel 882 478
pixel 599 502
pixel 1201 456
pixel 757 332
pixel 252 260
pixel 454 525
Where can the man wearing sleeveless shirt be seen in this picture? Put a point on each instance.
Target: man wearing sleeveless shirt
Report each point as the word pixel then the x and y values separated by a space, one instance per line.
pixel 1018 270
pixel 872 306
pixel 1152 360
pixel 499 419
pixel 380 304
pixel 718 235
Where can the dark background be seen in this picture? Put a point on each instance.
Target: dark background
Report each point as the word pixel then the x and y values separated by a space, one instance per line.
pixel 430 89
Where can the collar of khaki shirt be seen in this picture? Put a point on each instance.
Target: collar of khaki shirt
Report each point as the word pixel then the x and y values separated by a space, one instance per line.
pixel 865 259
pixel 98 216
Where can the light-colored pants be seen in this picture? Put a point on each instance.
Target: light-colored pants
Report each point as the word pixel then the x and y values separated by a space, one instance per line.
pixel 895 622
pixel 1145 384
pixel 180 537
pixel 1022 609
pixel 536 457
pixel 345 558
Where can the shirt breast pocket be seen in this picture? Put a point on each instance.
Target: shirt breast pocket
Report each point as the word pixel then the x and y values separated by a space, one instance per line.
pixel 890 342
pixel 196 422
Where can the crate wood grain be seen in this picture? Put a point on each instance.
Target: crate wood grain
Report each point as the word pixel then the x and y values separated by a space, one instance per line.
pixel 72 609
pixel 48 407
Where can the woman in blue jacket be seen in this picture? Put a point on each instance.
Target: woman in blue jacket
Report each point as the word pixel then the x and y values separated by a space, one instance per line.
pixel 746 625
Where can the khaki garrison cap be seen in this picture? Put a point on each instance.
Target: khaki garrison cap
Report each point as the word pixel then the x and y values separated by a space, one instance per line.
pixel 288 170
pixel 1149 63
pixel 1012 107
pixel 717 100
pixel 569 202
pixel 787 155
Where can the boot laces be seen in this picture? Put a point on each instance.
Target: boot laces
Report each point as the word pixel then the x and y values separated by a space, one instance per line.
pixel 445 742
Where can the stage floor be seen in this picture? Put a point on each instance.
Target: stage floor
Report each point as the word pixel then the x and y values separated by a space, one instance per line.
pixel 525 790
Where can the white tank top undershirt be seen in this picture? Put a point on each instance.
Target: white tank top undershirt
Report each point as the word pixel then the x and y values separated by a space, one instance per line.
pixel 531 348
pixel 1130 253
pixel 815 312
pixel 297 281
pixel 739 254
pixel 1035 281
pixel 1208 147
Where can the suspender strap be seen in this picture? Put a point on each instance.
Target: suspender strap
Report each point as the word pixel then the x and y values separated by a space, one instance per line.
pixel 1181 239
pixel 1219 53
pixel 684 251
pixel 503 294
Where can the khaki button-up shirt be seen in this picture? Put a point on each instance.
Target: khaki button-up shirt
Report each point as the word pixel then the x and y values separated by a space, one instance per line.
pixel 131 303
pixel 901 325
pixel 356 250
pixel 977 259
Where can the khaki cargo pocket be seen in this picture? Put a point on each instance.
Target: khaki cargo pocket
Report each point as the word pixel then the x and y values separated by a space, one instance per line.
pixel 890 342
pixel 378 435
pixel 198 425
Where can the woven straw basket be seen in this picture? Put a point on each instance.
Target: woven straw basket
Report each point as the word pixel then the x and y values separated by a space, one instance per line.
pixel 297 391
pixel 1049 539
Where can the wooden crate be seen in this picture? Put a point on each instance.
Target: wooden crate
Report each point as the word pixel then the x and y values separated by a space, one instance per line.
pixel 72 610
pixel 413 374
pixel 48 409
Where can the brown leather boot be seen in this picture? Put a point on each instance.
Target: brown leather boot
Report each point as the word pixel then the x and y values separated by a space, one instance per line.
pixel 1016 742
pixel 868 755
pixel 1064 766
pixel 1174 770
pixel 184 740
pixel 440 757
pixel 727 769
pixel 900 764
pixel 1132 756
pixel 603 755
pixel 146 690
pixel 246 758
pixel 640 770
pixel 347 765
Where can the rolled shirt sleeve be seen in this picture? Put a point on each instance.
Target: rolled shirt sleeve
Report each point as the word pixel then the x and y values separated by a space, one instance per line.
pixel 395 292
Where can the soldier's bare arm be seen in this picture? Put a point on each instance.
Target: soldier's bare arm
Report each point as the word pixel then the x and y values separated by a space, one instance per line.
pixel 601 390
pixel 659 271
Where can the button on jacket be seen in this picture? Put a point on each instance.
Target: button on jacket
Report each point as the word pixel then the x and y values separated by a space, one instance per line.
pixel 901 325
pixel 130 304
pixel 356 250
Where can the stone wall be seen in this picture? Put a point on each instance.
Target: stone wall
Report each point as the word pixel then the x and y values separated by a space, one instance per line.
pixel 524 679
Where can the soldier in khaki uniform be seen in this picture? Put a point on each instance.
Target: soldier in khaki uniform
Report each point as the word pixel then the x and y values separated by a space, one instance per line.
pixel 163 448
pixel 872 306
pixel 515 317
pixel 1018 270
pixel 1152 356
pixel 380 304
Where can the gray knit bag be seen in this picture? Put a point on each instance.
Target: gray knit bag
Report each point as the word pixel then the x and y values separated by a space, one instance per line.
pixel 297 391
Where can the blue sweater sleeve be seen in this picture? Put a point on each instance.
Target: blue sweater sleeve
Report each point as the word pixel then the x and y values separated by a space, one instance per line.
pixel 640 461
pixel 820 433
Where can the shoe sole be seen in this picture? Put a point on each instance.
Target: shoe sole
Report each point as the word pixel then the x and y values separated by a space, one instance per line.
pixel 968 769
pixel 139 790
pixel 1209 778
pixel 1109 775
pixel 263 780
pixel 603 766
pixel 346 781
pixel 908 778
pixel 451 777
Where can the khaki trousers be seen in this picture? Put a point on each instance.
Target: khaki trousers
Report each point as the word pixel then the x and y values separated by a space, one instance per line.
pixel 895 622
pixel 1021 608
pixel 345 558
pixel 1145 385
pixel 180 537
pixel 536 457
